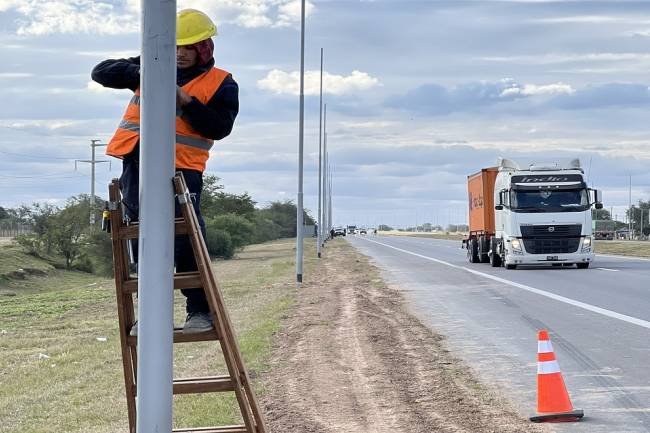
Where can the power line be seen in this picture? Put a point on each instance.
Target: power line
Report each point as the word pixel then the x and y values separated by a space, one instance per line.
pixel 35 156
pixel 44 176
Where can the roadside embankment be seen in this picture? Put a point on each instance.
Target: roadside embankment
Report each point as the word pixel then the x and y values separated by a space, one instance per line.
pixel 60 365
pixel 351 358
pixel 431 235
pixel 624 248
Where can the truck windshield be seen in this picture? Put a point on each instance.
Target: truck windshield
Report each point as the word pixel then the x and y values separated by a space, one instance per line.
pixel 550 201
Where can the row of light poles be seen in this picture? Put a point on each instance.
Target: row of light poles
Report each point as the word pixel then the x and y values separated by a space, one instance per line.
pixel 324 223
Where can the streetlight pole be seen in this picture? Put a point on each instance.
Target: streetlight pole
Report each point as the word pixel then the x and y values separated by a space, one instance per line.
pixel 301 136
pixel 329 192
pixel 629 218
pixel 324 178
pixel 319 232
pixel 156 233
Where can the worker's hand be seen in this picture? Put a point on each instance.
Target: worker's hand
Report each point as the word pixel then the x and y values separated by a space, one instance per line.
pixel 182 98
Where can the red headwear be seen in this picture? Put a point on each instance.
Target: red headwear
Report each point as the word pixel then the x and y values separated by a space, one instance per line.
pixel 205 50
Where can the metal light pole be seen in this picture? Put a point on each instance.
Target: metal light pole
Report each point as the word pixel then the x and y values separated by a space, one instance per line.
pixel 301 136
pixel 629 213
pixel 641 229
pixel 156 236
pixel 324 178
pixel 329 200
pixel 319 232
pixel 323 235
pixel 92 162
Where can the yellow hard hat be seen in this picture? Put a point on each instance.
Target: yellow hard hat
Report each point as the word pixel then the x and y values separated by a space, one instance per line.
pixel 193 26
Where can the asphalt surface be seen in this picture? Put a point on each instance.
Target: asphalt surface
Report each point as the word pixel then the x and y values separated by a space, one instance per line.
pixel 598 320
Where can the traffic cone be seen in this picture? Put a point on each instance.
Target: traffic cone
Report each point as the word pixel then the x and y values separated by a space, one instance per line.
pixel 553 402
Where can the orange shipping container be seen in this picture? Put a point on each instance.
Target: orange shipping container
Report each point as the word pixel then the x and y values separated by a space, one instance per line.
pixel 480 189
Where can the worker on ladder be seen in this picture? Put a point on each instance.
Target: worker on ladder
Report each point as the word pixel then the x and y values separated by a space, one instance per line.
pixel 207 103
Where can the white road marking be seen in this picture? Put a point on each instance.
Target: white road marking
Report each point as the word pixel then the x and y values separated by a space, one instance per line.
pixel 573 302
pixel 607 269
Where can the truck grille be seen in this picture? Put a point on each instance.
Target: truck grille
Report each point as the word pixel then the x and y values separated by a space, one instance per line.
pixel 551 239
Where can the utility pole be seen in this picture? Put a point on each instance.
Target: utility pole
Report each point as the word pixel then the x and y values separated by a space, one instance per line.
pixel 629 214
pixel 641 229
pixel 156 233
pixel 92 162
pixel 325 233
pixel 319 233
pixel 301 136
pixel 329 193
pixel 325 191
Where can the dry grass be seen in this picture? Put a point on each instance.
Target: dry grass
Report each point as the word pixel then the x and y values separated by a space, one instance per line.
pixel 431 235
pixel 624 248
pixel 57 375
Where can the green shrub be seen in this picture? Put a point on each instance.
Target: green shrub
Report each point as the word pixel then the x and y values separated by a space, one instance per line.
pixel 96 254
pixel 219 243
pixel 238 227
pixel 265 229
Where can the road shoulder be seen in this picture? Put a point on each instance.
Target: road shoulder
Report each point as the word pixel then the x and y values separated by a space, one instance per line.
pixel 351 357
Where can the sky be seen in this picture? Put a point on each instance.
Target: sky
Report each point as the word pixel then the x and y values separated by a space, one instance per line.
pixel 419 95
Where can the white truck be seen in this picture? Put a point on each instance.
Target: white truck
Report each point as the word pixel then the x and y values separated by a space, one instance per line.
pixel 540 214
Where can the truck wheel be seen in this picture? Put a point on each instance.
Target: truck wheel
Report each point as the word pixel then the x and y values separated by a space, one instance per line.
pixel 582 265
pixel 472 251
pixel 483 249
pixel 495 257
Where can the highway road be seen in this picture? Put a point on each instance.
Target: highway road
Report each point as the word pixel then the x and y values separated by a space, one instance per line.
pixel 598 319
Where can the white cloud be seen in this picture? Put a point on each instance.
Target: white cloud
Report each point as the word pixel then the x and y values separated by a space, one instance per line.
pixel 281 82
pixel 11 75
pixel 581 19
pixel 70 17
pixel 535 90
pixel 43 17
pixel 98 88
pixel 552 58
pixel 368 124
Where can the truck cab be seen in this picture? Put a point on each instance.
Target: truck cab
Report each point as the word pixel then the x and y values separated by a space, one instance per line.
pixel 542 215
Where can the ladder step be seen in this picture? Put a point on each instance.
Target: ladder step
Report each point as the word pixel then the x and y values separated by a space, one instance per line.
pixel 131 231
pixel 182 280
pixel 224 429
pixel 196 385
pixel 180 337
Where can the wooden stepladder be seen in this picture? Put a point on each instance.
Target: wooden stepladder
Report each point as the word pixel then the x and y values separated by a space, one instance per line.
pixel 126 285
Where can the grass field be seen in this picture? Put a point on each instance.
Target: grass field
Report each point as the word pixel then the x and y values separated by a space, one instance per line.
pixel 624 248
pixel 60 367
pixel 432 235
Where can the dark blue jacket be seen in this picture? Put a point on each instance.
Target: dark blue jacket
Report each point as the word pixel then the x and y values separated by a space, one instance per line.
pixel 213 120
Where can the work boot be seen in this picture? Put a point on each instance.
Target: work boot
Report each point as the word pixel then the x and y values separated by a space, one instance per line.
pixel 197 322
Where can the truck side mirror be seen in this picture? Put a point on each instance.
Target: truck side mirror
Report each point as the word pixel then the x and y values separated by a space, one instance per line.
pixel 598 202
pixel 499 205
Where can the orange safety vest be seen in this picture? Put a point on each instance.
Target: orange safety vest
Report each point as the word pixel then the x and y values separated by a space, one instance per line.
pixel 192 149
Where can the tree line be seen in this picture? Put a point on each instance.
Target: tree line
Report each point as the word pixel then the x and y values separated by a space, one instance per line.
pixel 63 235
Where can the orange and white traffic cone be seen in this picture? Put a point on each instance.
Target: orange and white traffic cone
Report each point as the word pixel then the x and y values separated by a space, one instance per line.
pixel 553 402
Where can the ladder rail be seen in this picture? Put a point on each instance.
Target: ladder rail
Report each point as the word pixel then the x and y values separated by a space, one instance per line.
pixel 126 287
pixel 125 309
pixel 215 300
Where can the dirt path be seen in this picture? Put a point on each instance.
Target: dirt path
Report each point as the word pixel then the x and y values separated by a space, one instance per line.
pixel 350 358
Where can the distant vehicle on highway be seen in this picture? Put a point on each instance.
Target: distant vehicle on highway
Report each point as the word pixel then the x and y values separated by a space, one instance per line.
pixel 539 214
pixel 339 231
pixel 352 229
pixel 604 229
pixel 363 232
